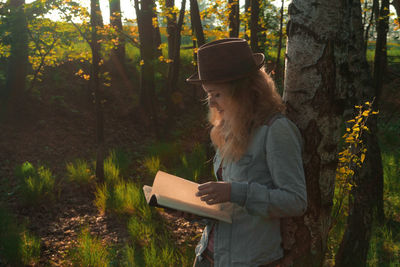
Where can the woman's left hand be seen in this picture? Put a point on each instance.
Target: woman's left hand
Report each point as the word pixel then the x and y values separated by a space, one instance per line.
pixel 214 192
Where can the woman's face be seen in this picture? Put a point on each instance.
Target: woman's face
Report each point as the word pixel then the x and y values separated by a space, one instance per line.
pixel 218 96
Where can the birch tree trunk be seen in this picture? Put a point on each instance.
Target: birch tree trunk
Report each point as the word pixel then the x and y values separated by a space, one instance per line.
pixel 316 87
pixel 327 73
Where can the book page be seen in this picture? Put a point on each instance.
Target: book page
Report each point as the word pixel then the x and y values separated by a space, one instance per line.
pixel 175 192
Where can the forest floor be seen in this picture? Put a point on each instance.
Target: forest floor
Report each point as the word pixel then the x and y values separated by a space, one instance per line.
pixel 59 127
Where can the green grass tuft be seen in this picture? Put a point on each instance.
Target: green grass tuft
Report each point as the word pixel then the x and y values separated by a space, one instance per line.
pixel 80 172
pixel 37 185
pixel 89 251
pixel 30 249
pixel 17 245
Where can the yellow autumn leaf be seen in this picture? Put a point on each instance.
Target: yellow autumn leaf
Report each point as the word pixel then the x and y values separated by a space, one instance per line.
pixel 362 158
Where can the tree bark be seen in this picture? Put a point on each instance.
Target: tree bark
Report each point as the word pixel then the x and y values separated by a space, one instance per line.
pixel 323 71
pixel 171 27
pixel 254 26
pixel 12 95
pixel 157 37
pixel 396 4
pixel 173 67
pixel 354 247
pixel 247 10
pixel 380 69
pixel 375 6
pixel 95 22
pixel 148 99
pixel 118 52
pixel 196 22
pixel 234 19
pixel 278 57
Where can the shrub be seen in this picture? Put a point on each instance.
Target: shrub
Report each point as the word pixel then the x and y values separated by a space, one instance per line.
pixel 80 172
pixel 37 185
pixel 89 251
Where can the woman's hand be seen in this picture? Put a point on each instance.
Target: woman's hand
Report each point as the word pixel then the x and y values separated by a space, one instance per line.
pixel 214 192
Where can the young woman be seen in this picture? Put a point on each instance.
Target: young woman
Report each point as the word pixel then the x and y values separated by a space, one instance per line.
pixel 258 158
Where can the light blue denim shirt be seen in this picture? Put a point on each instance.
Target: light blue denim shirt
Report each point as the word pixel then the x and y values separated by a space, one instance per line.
pixel 267 184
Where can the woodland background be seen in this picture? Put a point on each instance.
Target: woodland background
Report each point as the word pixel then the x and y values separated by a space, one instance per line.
pixel 90 111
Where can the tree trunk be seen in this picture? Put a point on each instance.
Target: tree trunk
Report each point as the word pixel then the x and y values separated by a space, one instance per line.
pixel 12 95
pixel 157 37
pixel 254 26
pixel 171 27
pixel 375 6
pixel 247 12
pixel 380 69
pixel 234 20
pixel 396 4
pixel 354 247
pixel 95 22
pixel 278 57
pixel 148 99
pixel 196 22
pixel 173 67
pixel 322 72
pixel 118 52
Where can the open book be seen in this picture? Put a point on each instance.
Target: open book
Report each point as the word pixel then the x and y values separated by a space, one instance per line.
pixel 176 193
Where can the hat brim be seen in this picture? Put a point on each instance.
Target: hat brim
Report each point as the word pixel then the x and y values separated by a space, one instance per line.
pixel 259 59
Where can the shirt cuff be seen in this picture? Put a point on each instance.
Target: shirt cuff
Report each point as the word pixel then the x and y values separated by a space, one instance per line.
pixel 238 193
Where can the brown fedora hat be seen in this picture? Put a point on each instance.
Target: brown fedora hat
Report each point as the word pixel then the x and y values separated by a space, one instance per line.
pixel 225 60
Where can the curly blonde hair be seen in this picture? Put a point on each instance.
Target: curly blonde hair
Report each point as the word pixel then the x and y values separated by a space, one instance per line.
pixel 252 101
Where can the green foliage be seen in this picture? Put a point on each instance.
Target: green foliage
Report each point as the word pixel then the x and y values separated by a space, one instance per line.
pixel 10 239
pixel 111 170
pixel 127 198
pixel 141 231
pixel 17 245
pixel 170 156
pixel 152 165
pixel 89 251
pixel 37 184
pixel 121 198
pixel 30 249
pixel 80 172
pixel 129 257
pixel 193 164
pixel 102 197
